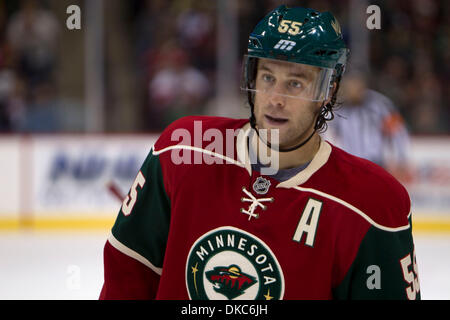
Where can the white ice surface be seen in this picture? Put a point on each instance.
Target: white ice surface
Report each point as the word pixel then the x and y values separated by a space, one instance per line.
pixel 54 265
pixel 69 265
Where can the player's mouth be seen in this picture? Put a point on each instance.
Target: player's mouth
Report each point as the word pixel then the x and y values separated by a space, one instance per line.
pixel 275 121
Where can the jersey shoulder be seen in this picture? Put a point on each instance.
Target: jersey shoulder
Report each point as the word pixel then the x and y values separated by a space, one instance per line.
pixel 198 131
pixel 369 188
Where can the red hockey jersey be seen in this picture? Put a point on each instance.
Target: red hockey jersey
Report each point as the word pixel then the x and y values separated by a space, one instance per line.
pixel 199 223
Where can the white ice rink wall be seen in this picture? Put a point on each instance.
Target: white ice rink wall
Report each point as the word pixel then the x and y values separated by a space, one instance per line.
pixel 49 181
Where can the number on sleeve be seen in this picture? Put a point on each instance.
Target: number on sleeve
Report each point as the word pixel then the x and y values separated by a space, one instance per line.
pixel 411 277
pixel 130 200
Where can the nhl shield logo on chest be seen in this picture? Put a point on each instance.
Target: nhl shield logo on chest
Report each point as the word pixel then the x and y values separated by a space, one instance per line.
pixel 261 185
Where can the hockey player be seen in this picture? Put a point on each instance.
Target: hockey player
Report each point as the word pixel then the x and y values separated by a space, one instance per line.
pixel 323 225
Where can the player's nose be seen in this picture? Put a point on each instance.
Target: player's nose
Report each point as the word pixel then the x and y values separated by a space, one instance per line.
pixel 277 97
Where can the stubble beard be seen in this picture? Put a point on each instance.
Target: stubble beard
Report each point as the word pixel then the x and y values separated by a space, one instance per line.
pixel 291 135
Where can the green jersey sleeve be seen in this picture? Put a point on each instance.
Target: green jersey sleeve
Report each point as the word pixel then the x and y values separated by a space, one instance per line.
pixel 142 225
pixel 384 268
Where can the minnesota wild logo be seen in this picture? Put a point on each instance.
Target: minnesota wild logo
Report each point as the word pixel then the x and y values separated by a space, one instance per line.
pixel 229 263
pixel 230 281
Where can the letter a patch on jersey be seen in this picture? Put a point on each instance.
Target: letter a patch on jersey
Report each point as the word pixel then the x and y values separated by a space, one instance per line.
pixel 308 222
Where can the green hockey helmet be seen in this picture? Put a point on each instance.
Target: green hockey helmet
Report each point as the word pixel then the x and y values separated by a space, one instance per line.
pixel 303 36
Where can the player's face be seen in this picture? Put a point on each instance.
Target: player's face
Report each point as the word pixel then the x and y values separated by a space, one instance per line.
pixel 277 108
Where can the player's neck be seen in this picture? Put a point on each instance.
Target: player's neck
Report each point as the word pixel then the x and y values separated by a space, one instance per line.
pixel 300 156
pixel 294 158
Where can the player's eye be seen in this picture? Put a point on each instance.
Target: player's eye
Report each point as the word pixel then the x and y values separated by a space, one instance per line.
pixel 268 78
pixel 295 84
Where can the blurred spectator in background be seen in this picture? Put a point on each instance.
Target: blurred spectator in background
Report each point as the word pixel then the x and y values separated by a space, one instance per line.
pixel 33 37
pixel 410 61
pixel 43 112
pixel 153 24
pixel 175 50
pixel 6 74
pixel 409 56
pixel 11 99
pixel 369 125
pixel 195 33
pixel 177 89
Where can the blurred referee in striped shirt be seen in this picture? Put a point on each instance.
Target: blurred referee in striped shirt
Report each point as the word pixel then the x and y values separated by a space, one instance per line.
pixel 369 125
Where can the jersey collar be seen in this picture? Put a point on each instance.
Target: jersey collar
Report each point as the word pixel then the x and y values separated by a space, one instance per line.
pixel 317 162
